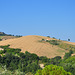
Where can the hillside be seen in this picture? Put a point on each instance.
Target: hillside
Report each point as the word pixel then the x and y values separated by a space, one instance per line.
pixel 33 45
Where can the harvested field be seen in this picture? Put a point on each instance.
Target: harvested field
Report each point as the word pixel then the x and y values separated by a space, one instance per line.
pixel 31 44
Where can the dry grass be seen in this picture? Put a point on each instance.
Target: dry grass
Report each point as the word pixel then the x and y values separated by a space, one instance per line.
pixel 72 43
pixel 32 44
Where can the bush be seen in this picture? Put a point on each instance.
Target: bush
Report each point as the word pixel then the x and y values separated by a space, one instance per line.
pixel 48 36
pixel 67 55
pixel 43 39
pixel 0 39
pixel 56 60
pixel 54 42
pixel 44 59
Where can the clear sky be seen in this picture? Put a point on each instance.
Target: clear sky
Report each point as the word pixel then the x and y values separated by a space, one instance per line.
pixel 55 18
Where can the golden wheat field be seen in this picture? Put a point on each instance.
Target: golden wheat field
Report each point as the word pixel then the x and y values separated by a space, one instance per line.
pixel 32 44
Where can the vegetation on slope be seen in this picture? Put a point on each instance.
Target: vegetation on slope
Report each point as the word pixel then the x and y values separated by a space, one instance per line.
pixel 60 44
pixel 69 64
pixel 14 59
pixel 14 62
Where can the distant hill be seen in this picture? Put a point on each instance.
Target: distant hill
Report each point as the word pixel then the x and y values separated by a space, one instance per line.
pixel 4 36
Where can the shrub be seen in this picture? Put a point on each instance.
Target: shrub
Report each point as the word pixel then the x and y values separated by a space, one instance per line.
pixel 48 36
pixel 67 55
pixel 44 59
pixel 56 60
pixel 43 39
pixel 0 39
pixel 54 42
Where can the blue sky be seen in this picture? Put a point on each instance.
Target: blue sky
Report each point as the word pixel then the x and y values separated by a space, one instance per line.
pixel 55 18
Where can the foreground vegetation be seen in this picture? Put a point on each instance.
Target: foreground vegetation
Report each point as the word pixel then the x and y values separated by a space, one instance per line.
pixel 52 70
pixel 14 62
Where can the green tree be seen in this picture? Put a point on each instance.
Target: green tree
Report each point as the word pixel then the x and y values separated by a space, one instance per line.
pixel 44 59
pixel 68 39
pixel 52 70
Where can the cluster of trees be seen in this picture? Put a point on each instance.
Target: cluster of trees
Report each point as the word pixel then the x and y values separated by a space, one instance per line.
pixel 14 59
pixel 53 42
pixel 69 64
pixel 2 34
pixel 27 62
pixel 14 35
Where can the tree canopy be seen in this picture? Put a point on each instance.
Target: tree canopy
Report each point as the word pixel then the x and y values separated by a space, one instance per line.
pixel 52 70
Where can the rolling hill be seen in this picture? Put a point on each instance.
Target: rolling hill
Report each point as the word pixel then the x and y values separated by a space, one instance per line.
pixel 33 44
